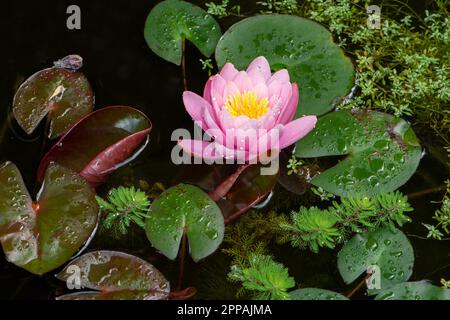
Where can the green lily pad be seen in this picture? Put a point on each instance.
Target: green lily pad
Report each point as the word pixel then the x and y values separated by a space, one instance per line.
pixel 172 21
pixel 420 290
pixel 117 275
pixel 64 95
pixel 383 152
pixel 185 209
pixel 388 250
pixel 305 48
pixel 43 235
pixel 315 294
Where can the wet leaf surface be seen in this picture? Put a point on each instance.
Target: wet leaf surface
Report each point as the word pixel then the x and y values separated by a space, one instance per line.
pixel 296 182
pixel 172 21
pixel 64 95
pixel 304 47
pixel 391 253
pixel 185 209
pixel 420 290
pixel 383 152
pixel 100 143
pixel 41 236
pixel 116 275
pixel 249 189
pixel 315 294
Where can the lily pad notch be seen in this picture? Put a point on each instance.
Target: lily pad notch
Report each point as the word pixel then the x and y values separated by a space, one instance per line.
pixel 61 93
pixel 170 22
pixel 185 210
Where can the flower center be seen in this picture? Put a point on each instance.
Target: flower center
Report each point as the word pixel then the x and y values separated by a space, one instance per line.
pixel 247 104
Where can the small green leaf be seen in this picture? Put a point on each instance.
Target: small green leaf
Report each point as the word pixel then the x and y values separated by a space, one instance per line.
pixel 172 21
pixel 304 47
pixel 117 275
pixel 64 95
pixel 389 251
pixel 185 209
pixel 420 290
pixel 315 294
pixel 41 236
pixel 383 152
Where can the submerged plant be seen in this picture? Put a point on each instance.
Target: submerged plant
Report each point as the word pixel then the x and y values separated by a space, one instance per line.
pixel 123 207
pixel 264 278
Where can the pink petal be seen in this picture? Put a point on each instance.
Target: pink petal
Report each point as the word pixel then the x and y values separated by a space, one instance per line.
pixel 200 149
pixel 274 88
pixel 197 107
pixel 243 82
pixel 291 107
pixel 207 90
pixel 261 91
pixel 281 76
pixel 260 65
pixel 228 71
pixel 296 130
pixel 285 93
pixel 229 90
pixel 217 87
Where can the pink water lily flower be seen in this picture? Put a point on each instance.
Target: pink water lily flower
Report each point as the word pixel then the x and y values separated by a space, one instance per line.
pixel 246 113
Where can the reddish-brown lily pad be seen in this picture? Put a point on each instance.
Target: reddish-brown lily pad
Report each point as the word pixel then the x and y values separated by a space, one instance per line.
pixel 41 236
pixel 63 94
pixel 116 276
pixel 250 188
pixel 100 143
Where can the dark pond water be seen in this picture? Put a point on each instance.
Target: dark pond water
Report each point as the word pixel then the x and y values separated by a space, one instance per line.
pixel 123 71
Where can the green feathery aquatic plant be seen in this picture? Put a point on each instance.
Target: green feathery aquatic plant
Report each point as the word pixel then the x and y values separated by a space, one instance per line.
pixel 263 277
pixel 316 228
pixel 124 206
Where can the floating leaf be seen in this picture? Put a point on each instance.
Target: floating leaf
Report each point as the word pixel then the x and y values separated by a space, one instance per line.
pixel 315 294
pixel 249 189
pixel 41 236
pixel 420 290
pixel 389 251
pixel 119 276
pixel 172 21
pixel 100 143
pixel 305 48
pixel 383 152
pixel 185 209
pixel 62 94
pixel 295 181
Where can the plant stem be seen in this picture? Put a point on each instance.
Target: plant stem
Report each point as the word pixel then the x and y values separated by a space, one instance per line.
pixel 237 214
pixel 426 191
pixel 181 262
pixel 222 189
pixel 358 286
pixel 183 63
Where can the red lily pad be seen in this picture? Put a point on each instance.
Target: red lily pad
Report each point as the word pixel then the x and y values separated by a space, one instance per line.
pixel 100 143
pixel 116 276
pixel 249 189
pixel 63 94
pixel 297 181
pixel 41 236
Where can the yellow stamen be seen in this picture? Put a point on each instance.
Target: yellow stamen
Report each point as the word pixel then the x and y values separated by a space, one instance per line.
pixel 247 104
